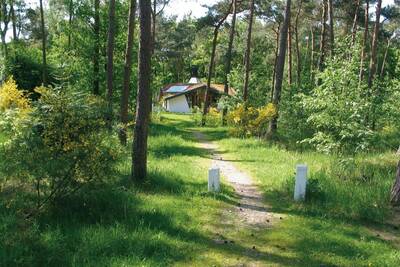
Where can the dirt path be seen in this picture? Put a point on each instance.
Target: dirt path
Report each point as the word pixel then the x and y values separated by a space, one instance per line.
pixel 249 217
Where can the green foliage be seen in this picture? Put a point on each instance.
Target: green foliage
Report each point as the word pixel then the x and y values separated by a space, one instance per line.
pixel 338 109
pixel 24 64
pixel 59 147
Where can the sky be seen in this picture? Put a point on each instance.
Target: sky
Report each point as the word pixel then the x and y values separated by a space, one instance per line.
pixel 181 8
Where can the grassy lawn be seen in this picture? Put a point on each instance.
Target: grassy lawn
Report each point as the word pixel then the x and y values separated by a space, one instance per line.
pixel 167 221
pixel 344 222
pixel 172 220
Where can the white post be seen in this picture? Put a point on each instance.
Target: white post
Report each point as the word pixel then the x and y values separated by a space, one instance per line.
pixel 301 183
pixel 213 180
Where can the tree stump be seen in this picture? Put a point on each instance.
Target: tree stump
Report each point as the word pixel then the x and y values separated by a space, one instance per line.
pixel 395 198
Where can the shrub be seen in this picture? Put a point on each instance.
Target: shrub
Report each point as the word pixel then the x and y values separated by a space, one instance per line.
pixel 249 121
pixel 213 117
pixel 60 146
pixel 11 97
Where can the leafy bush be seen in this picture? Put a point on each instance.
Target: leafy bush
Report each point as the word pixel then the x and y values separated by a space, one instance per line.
pixel 11 97
pixel 250 121
pixel 339 109
pixel 213 117
pixel 60 146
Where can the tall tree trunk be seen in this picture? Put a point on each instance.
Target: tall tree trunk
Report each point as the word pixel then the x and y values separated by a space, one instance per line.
pixel 210 70
pixel 298 56
pixel 211 65
pixel 229 55
pixel 354 28
pixel 143 103
pixel 289 50
pixel 312 54
pixel 153 25
pixel 110 60
pixel 71 12
pixel 248 53
pixel 385 57
pixel 364 44
pixel 14 21
pixel 44 64
pixel 331 28
pixel 96 54
pixel 273 125
pixel 323 37
pixel 275 60
pixel 5 19
pixel 374 48
pixel 395 196
pixel 127 72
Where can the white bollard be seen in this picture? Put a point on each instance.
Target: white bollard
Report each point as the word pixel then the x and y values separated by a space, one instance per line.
pixel 213 180
pixel 301 182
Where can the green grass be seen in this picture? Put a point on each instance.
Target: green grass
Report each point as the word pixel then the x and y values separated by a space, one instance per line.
pixel 345 219
pixel 172 220
pixel 167 221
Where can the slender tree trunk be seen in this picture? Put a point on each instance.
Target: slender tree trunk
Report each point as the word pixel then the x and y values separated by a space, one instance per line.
pixel 211 66
pixel 323 37
pixel 365 43
pixel 143 103
pixel 110 60
pixel 273 125
pixel 275 61
pixel 395 196
pixel 289 51
pixel 127 72
pixel 248 53
pixel 312 54
pixel 331 28
pixel 96 54
pixel 374 48
pixel 153 25
pixel 298 56
pixel 354 28
pixel 229 55
pixel 44 64
pixel 210 70
pixel 385 57
pixel 71 13
pixel 14 21
pixel 3 32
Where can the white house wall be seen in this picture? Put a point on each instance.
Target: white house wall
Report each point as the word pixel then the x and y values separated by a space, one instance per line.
pixel 177 104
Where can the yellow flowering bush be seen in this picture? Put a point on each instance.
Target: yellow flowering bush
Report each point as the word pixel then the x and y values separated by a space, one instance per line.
pixel 62 146
pixel 213 117
pixel 11 97
pixel 250 121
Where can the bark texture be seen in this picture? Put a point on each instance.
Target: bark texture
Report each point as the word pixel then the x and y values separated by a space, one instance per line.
pixel 110 60
pixel 127 72
pixel 331 27
pixel 44 63
pixel 322 44
pixel 395 196
pixel 273 125
pixel 374 47
pixel 96 54
pixel 228 62
pixel 248 53
pixel 143 103
pixel 354 27
pixel 364 44
pixel 211 65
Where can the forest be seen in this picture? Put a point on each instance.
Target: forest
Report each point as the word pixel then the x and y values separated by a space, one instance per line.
pixel 115 114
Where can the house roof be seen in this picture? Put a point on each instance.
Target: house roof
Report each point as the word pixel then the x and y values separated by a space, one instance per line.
pixel 177 89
